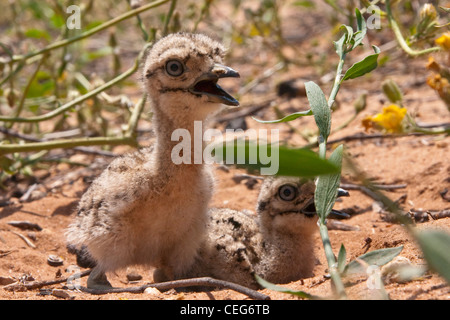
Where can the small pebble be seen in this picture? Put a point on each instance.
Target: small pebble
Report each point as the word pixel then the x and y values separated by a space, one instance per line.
pixel 152 291
pixel 134 276
pixel 59 293
pixel 54 260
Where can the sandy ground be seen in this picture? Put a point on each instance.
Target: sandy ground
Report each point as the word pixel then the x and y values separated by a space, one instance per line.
pixel 421 163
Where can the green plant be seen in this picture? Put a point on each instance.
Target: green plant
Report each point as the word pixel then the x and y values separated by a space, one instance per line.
pixel 58 86
pixel 326 187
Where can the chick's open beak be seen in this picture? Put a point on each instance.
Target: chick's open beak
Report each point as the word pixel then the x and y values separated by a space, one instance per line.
pixel 207 85
pixel 336 214
pixel 310 208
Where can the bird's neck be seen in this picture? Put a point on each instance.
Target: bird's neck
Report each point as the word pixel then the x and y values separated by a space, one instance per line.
pixel 289 244
pixel 291 255
pixel 179 137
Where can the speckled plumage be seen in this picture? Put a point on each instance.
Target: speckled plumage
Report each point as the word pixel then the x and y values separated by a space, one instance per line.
pixel 278 245
pixel 141 210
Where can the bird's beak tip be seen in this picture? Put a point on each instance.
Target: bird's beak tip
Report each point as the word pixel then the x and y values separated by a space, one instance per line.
pixel 225 72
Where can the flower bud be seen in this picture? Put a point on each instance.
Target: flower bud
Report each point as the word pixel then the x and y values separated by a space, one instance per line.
pixel 428 11
pixel 360 103
pixel 392 91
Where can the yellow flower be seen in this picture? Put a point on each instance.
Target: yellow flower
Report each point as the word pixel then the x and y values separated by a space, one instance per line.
pixel 442 86
pixel 433 65
pixel 390 119
pixel 444 41
pixel 437 82
pixel 367 123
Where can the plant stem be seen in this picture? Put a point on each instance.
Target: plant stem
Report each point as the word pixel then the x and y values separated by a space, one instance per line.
pixel 281 114
pixel 169 16
pixel 431 132
pixel 74 102
pixel 103 26
pixel 132 123
pixel 54 144
pixel 398 35
pixel 82 98
pixel 322 147
pixel 346 123
pixel 128 138
pixel 323 230
pixel 337 82
pixel 332 264
pixel 27 87
pixel 13 72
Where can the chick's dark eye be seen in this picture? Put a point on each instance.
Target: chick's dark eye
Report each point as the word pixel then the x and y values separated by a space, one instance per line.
pixel 287 192
pixel 174 68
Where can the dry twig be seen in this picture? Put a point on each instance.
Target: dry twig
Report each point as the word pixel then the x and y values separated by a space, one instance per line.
pixel 244 111
pixel 194 282
pixel 25 225
pixel 338 225
pixel 40 284
pixel 27 241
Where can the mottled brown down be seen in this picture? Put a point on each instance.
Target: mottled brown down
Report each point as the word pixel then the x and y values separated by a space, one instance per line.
pixel 278 245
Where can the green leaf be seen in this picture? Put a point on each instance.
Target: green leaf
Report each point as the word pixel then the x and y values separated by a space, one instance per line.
pixel 273 160
pixel 306 4
pixel 57 20
pixel 435 247
pixel 362 67
pixel 41 85
pixel 358 37
pixel 319 107
pixel 96 54
pixel 360 22
pixel 6 164
pixel 288 118
pixel 303 163
pixel 93 24
pixel 339 46
pixel 37 34
pixel 348 33
pixel 350 39
pixel 342 256
pixel 377 257
pixel 274 287
pixel 327 186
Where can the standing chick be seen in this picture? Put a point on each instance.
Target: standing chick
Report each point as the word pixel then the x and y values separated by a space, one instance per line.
pixel 144 209
pixel 278 246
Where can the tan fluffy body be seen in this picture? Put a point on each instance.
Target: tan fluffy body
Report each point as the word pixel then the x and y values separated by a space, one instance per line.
pixel 144 209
